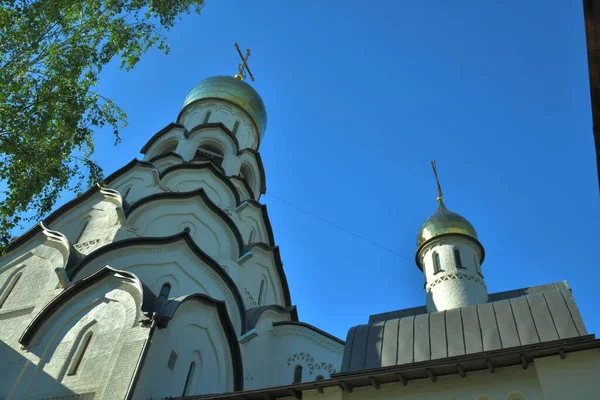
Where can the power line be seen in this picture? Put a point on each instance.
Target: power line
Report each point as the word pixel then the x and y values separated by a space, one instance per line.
pixel 339 227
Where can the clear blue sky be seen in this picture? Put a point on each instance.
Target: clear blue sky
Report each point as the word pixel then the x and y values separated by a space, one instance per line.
pixel 360 97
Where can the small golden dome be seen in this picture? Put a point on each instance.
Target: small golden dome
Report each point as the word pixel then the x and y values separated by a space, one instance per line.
pixel 443 222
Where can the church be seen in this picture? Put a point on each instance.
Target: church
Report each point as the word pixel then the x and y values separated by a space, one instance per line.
pixel 165 281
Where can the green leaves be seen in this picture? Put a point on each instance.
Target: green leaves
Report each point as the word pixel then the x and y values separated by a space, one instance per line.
pixel 51 54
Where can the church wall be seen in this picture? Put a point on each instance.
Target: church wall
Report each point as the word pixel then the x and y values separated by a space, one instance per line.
pixel 575 377
pixel 195 334
pixel 107 315
pixel 509 383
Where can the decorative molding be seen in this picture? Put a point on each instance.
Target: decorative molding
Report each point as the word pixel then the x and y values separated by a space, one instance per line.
pixel 314 337
pixel 312 365
pixel 453 277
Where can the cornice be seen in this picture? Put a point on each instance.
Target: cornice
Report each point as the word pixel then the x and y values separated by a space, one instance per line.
pixel 158 241
pixel 147 307
pixel 253 314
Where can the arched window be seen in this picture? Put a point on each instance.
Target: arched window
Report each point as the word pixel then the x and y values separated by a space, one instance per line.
pixel 212 151
pixel 13 282
pixel 206 117
pixel 235 127
pixel 319 378
pixel 437 266
pixel 188 379
pixel 246 173
pixel 298 374
pixel 83 346
pixel 261 293
pixel 164 291
pixel 81 232
pixel 457 260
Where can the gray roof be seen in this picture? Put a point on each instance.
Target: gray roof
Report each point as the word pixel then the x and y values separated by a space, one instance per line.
pixel 515 318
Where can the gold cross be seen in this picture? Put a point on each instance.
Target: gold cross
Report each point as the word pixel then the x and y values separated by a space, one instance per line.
pixel 243 65
pixel 439 188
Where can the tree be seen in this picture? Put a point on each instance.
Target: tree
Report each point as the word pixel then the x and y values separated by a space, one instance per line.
pixel 51 55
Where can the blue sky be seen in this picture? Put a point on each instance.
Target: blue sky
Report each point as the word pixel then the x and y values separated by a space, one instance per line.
pixel 360 97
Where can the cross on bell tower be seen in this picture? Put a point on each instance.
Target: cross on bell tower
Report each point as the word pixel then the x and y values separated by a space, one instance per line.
pixel 243 66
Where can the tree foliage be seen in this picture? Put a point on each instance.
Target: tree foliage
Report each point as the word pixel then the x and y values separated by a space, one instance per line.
pixel 51 55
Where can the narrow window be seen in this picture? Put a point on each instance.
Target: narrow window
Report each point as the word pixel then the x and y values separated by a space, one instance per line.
pixel 319 378
pixel 188 379
pixel 126 193
pixel 457 259
pixel 235 127
pixel 80 353
pixel 164 291
pixel 298 374
pixel 261 293
pixel 80 235
pixel 247 174
pixel 172 360
pixel 206 117
pixel 251 238
pixel 437 266
pixel 477 266
pixel 9 288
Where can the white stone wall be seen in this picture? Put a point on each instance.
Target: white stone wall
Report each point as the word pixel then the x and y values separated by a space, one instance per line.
pixel 40 269
pixel 452 286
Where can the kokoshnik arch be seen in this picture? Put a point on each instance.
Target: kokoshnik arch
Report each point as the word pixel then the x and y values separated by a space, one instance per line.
pixel 166 281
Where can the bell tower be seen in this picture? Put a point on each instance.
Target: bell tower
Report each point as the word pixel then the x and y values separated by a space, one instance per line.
pixel 450 256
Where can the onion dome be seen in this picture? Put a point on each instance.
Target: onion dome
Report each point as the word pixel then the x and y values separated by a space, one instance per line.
pixel 443 222
pixel 234 91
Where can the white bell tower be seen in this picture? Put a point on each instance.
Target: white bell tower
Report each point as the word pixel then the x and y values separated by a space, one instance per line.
pixel 450 256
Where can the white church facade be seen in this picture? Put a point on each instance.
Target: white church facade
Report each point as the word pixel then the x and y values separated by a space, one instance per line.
pixel 166 281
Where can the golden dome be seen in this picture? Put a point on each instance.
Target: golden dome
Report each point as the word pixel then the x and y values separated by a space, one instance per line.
pixel 444 221
pixel 234 91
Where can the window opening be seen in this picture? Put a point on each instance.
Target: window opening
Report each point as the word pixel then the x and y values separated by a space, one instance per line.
pixel 235 127
pixel 172 360
pixel 164 291
pixel 214 153
pixel 188 379
pixel 126 193
pixel 319 378
pixel 457 259
pixel 206 117
pixel 477 266
pixel 437 266
pixel 10 288
pixel 246 173
pixel 298 374
pixel 80 353
pixel 261 293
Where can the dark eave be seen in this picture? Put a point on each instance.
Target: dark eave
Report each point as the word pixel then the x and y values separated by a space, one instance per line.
pixel 159 134
pixel 287 298
pixel 403 374
pixel 129 166
pixel 166 155
pixel 591 10
pixel 217 172
pixel 312 328
pixel 253 315
pixel 169 309
pixel 227 131
pixel 148 305
pixel 187 195
pixel 158 241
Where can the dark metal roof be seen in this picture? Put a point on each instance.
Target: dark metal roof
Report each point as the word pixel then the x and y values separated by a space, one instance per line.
pixel 543 315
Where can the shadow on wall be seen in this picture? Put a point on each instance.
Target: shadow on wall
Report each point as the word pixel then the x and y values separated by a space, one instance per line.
pixel 14 363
